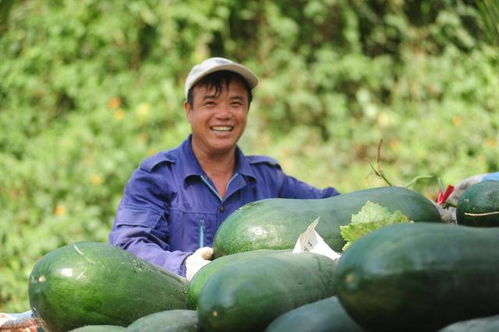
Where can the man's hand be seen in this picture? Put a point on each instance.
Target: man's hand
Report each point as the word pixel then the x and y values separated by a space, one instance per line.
pixel 197 260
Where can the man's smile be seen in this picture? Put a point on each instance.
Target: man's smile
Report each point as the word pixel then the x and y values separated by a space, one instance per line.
pixel 222 128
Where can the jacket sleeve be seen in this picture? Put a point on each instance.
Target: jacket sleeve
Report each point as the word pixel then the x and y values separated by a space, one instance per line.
pixel 140 225
pixel 282 185
pixel 294 188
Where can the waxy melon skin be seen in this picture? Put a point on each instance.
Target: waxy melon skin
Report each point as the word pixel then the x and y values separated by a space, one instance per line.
pixel 276 223
pixel 325 315
pixel 420 276
pixel 479 205
pixel 180 320
pixel 249 294
pixel 91 283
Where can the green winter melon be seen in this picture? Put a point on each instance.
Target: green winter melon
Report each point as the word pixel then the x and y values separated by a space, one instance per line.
pixel 479 205
pixel 92 283
pixel 180 320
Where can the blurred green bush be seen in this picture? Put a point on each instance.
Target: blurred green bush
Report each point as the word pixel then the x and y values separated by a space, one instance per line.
pixel 90 88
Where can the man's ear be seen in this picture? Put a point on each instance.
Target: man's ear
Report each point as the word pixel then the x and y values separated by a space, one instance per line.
pixel 187 110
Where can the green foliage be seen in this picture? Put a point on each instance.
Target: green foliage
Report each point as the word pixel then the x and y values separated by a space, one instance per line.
pixel 90 88
pixel 370 217
pixel 489 12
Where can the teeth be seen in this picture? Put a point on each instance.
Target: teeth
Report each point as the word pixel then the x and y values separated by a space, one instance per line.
pixel 222 128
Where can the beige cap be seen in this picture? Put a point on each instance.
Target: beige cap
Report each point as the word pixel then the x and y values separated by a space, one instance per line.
pixel 212 65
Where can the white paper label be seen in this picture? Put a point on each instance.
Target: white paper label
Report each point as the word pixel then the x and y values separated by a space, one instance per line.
pixel 311 241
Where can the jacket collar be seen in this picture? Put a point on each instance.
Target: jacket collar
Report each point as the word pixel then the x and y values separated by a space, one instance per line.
pixel 190 167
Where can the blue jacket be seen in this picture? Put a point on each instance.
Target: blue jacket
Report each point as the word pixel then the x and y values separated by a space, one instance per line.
pixel 170 207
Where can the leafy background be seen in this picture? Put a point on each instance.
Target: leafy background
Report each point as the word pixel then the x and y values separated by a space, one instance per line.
pixel 90 88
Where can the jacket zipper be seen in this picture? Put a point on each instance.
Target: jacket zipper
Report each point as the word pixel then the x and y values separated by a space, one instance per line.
pixel 211 187
pixel 207 182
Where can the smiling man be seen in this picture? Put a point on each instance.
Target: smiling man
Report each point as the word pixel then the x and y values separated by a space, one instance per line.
pixel 175 200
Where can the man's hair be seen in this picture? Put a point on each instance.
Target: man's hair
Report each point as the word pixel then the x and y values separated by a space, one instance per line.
pixel 219 80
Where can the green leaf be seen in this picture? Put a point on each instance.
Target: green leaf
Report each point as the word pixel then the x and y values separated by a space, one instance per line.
pixel 371 217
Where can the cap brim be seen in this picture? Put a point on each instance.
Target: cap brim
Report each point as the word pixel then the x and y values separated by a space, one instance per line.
pixel 245 73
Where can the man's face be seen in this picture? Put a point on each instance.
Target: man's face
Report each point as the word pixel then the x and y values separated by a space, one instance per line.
pixel 217 122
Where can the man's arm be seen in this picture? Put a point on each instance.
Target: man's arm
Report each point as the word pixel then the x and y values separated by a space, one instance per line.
pixel 282 185
pixel 294 188
pixel 145 243
pixel 140 224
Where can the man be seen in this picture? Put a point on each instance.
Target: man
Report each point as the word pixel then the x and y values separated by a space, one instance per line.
pixel 175 200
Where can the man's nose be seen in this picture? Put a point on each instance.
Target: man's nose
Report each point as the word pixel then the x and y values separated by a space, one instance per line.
pixel 223 111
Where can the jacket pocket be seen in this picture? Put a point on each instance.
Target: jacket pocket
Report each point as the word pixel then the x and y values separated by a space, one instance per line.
pixel 191 230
